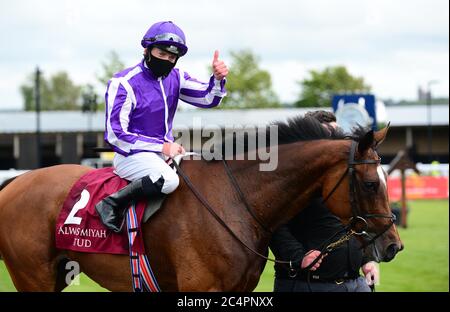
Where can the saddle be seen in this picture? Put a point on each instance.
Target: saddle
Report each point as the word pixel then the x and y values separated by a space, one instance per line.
pixel 153 205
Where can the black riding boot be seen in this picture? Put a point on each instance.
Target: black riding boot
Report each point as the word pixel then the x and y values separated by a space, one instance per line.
pixel 112 208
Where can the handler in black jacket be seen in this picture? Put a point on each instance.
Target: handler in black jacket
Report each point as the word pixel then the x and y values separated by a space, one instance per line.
pixel 301 238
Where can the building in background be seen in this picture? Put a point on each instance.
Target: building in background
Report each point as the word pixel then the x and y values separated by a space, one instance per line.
pixel 70 137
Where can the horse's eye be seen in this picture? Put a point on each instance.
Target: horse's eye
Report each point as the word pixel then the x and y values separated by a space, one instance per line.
pixel 371 186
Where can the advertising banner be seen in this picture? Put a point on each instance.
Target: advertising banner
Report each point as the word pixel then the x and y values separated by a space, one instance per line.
pixel 418 187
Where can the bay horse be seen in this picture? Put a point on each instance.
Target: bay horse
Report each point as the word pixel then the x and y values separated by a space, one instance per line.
pixel 188 249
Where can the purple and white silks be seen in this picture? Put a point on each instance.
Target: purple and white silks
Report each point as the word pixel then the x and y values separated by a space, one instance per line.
pixel 140 107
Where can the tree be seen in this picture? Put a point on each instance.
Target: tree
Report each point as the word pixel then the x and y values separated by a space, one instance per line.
pixel 27 91
pixel 65 94
pixel 319 88
pixel 110 67
pixel 89 103
pixel 61 93
pixel 57 93
pixel 248 86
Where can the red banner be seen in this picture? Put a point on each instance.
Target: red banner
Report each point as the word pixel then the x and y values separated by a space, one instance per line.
pixel 418 187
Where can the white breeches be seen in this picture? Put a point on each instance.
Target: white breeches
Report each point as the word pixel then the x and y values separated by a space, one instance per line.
pixel 143 164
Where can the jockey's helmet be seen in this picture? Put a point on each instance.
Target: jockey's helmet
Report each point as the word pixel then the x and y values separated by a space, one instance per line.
pixel 167 36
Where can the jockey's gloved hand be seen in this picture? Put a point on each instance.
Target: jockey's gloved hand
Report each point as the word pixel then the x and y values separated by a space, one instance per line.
pixel 172 149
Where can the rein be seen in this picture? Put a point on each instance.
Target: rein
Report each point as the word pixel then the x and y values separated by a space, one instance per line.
pixel 327 248
pixel 242 196
pixel 217 217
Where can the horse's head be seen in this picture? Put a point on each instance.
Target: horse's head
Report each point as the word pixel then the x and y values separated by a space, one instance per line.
pixel 356 191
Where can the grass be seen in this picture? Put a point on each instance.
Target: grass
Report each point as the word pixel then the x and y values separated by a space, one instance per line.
pixel 421 267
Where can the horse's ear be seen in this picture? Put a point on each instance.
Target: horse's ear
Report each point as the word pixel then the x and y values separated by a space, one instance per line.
pixel 366 142
pixel 380 135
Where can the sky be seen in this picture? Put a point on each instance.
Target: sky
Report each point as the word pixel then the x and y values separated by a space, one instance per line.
pixel 396 45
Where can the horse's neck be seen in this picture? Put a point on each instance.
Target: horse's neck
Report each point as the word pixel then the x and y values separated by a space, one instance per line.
pixel 278 195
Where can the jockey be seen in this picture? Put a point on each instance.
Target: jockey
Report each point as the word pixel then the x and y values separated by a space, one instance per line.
pixel 140 106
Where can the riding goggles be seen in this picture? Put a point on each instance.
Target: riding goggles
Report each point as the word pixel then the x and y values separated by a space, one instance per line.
pixel 166 38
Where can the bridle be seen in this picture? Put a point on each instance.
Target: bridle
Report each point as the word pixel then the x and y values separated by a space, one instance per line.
pixel 357 216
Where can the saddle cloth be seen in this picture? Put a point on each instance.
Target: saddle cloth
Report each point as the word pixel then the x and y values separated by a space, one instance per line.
pixel 79 227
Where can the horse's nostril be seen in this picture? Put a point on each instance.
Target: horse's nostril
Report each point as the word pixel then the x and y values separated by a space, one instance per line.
pixel 391 251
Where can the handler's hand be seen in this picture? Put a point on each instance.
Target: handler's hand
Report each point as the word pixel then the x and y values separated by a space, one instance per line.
pixel 220 70
pixel 172 149
pixel 370 270
pixel 310 257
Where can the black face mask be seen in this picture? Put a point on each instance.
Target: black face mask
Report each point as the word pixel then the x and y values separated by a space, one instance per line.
pixel 159 67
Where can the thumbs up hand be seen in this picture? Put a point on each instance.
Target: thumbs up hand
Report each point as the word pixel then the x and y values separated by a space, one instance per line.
pixel 220 70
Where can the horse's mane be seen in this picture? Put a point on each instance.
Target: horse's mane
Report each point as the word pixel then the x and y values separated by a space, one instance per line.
pixel 301 128
pixel 292 130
